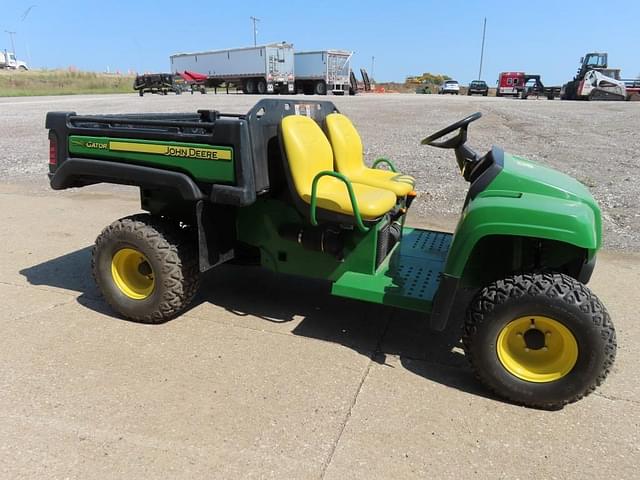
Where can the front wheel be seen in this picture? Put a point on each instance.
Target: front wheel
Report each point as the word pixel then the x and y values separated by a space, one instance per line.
pixel 146 267
pixel 540 340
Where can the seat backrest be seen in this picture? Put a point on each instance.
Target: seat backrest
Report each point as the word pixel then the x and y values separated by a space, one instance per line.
pixel 307 149
pixel 346 143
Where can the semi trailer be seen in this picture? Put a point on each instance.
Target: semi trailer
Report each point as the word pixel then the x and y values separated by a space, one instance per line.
pixel 260 69
pixel 323 71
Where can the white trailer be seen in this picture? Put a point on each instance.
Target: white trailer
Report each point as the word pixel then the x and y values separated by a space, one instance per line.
pixel 323 71
pixel 260 69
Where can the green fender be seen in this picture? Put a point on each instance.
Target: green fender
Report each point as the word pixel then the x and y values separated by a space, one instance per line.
pixel 494 212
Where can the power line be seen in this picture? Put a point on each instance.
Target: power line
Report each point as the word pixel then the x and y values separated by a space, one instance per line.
pixel 26 12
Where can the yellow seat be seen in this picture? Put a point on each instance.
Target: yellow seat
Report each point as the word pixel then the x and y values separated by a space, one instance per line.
pixel 309 153
pixel 347 150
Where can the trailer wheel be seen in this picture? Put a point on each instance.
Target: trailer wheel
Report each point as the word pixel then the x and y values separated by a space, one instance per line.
pixel 250 86
pixel 320 88
pixel 541 340
pixel 146 267
pixel 261 87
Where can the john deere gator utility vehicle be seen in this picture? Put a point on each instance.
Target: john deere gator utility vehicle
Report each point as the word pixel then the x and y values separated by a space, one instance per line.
pixel 285 186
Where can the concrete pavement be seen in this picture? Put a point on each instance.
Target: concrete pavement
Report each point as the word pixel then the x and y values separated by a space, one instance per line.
pixel 266 376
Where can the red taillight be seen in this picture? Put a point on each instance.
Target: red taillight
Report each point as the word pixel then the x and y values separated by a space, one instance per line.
pixel 53 150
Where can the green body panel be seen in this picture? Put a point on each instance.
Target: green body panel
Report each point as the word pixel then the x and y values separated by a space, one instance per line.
pixel 203 162
pixel 530 200
pixel 258 225
pixel 408 278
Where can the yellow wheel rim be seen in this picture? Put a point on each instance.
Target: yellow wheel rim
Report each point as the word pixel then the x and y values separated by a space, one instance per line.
pixel 537 349
pixel 132 273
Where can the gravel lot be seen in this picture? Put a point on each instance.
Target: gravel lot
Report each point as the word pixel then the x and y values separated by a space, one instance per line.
pixel 594 142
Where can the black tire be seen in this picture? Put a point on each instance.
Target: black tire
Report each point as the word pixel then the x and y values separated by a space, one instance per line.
pixel 320 88
pixel 261 87
pixel 544 295
pixel 141 93
pixel 250 86
pixel 171 253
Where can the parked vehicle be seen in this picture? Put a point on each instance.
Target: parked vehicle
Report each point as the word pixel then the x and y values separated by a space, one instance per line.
pixel 632 85
pixel 595 80
pixel 510 84
pixel 270 187
pixel 160 83
pixel 523 85
pixel 9 61
pixel 450 86
pixel 261 69
pixel 322 72
pixel 478 87
pixel 533 86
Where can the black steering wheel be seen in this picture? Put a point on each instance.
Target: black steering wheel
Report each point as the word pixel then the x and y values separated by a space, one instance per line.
pixel 453 142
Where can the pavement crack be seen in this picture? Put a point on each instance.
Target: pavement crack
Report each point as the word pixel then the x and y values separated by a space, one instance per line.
pixel 372 359
pixel 616 399
pixel 43 310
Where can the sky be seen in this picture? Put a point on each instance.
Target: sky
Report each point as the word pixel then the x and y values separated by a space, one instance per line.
pixel 405 37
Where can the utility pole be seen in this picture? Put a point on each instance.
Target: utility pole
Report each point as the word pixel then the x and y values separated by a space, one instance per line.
pixel 13 46
pixel 373 62
pixel 484 31
pixel 255 30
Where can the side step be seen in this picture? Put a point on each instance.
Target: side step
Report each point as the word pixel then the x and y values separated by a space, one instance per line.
pixel 408 278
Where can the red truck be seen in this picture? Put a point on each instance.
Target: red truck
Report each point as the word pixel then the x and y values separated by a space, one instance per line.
pixel 510 83
pixel 521 84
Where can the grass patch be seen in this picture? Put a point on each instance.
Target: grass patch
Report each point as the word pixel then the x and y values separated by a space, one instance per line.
pixel 61 82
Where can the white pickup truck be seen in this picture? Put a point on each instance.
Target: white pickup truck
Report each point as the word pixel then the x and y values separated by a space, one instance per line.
pixel 8 60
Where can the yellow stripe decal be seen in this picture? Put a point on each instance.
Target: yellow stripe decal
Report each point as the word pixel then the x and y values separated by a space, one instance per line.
pixel 172 150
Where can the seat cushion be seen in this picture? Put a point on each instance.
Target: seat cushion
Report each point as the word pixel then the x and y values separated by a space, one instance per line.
pixel 347 150
pixel 333 196
pixel 308 153
pixel 398 183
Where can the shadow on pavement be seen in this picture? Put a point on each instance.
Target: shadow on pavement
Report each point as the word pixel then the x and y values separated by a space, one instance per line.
pixel 371 330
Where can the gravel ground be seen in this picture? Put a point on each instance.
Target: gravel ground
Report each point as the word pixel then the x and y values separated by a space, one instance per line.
pixel 596 142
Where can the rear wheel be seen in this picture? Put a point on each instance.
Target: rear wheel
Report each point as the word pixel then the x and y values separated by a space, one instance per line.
pixel 250 86
pixel 321 88
pixel 541 340
pixel 146 268
pixel 261 87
